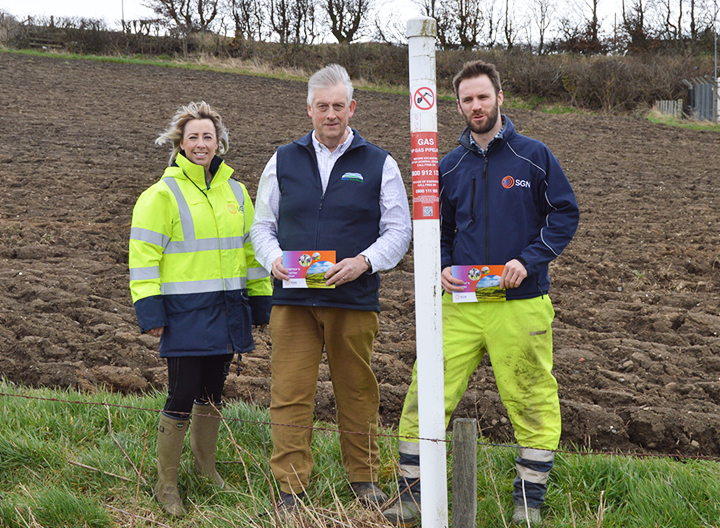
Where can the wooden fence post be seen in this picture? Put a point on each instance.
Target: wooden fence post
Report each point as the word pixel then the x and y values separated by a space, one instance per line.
pixel 464 484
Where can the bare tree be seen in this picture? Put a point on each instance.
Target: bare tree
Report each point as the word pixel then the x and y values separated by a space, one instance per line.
pixel 543 13
pixel 444 14
pixel 580 30
pixel 189 16
pixel 249 17
pixel 509 30
pixel 390 30
pixel 634 24
pixel 293 21
pixel 494 19
pixel 668 30
pixel 593 23
pixel 693 26
pixel 703 15
pixel 348 18
pixel 470 22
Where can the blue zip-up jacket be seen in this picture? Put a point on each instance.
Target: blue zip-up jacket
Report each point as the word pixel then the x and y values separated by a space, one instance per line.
pixel 344 218
pixel 514 202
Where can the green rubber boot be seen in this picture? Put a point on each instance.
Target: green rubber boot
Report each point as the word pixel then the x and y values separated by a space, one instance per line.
pixel 171 434
pixel 204 429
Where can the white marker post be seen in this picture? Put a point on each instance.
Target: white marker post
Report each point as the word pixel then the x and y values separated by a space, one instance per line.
pixel 421 34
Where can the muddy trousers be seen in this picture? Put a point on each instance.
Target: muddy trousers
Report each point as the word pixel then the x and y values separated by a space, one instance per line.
pixel 517 335
pixel 299 334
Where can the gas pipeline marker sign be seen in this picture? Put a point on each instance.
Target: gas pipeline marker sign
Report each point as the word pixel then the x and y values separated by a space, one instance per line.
pixel 424 98
pixel 426 187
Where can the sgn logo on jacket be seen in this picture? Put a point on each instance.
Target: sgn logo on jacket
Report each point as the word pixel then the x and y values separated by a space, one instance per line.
pixel 509 182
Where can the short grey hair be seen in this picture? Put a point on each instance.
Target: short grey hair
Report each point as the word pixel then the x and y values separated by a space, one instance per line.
pixel 327 77
pixel 174 133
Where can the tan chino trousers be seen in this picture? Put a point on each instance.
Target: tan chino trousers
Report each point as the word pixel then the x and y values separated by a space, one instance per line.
pixel 298 335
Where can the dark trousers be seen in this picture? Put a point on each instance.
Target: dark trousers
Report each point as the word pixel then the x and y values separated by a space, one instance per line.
pixel 195 378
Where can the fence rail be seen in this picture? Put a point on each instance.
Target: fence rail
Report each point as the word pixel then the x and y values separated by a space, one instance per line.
pixel 670 108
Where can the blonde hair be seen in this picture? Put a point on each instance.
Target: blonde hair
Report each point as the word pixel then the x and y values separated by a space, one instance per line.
pixel 174 133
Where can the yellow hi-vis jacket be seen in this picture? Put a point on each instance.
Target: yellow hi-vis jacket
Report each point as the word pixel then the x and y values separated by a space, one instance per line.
pixel 192 266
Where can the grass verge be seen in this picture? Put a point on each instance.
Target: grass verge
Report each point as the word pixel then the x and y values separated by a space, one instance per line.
pixel 89 464
pixel 693 124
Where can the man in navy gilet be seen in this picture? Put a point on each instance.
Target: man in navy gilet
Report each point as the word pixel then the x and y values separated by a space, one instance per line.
pixel 329 190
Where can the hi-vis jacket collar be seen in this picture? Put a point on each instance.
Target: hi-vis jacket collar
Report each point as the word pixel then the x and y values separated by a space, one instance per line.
pixel 196 173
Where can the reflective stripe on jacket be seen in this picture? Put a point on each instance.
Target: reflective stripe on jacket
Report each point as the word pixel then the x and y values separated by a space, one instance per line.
pixel 192 265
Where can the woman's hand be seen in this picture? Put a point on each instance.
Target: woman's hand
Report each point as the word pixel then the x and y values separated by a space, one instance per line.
pixel 157 332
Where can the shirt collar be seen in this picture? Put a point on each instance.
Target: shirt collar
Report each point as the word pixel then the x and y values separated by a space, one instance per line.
pixel 499 135
pixel 341 148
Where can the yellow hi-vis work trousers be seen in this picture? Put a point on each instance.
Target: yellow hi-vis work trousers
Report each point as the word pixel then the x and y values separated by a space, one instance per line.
pixel 518 336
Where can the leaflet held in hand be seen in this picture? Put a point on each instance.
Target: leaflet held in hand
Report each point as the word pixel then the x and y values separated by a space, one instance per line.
pixel 481 283
pixel 307 268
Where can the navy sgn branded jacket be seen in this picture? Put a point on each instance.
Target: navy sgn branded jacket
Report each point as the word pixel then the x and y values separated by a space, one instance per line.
pixel 513 203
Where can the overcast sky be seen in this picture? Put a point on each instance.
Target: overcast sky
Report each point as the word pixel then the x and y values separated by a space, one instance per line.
pixel 112 10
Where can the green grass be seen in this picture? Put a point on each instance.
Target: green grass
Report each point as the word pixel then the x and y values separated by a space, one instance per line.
pixel 61 465
pixel 657 118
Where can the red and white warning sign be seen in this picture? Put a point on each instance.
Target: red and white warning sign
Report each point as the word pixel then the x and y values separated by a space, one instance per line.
pixel 426 186
pixel 424 98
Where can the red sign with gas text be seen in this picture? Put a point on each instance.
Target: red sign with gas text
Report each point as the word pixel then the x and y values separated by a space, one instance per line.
pixel 426 186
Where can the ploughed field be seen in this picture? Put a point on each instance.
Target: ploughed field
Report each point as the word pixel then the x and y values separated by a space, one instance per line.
pixel 637 352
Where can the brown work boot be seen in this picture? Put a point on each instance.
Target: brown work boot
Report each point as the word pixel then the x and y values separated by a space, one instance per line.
pixel 171 434
pixel 368 493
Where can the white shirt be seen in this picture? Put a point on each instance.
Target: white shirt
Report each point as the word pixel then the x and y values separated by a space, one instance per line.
pixel 395 226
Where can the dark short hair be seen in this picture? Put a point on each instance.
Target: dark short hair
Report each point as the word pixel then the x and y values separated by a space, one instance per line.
pixel 473 69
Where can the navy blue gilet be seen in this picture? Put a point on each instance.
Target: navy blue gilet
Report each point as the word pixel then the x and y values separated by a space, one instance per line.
pixel 345 219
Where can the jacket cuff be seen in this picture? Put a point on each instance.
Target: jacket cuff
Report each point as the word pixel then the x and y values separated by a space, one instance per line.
pixel 522 261
pixel 260 306
pixel 150 312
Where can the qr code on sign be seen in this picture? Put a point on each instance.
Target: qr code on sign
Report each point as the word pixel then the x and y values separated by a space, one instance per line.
pixel 427 210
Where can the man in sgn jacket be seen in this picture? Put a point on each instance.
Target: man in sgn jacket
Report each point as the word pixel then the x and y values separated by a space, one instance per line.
pixel 504 200
pixel 329 190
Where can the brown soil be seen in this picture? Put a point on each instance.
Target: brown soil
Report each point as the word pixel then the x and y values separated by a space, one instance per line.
pixel 637 353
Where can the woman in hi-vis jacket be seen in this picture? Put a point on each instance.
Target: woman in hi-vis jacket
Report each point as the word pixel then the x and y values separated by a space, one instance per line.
pixel 195 284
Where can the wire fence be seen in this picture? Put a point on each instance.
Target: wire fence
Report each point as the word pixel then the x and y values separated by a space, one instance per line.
pixel 634 454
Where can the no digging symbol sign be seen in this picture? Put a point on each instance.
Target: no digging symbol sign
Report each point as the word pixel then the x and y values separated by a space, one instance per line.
pixel 424 98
